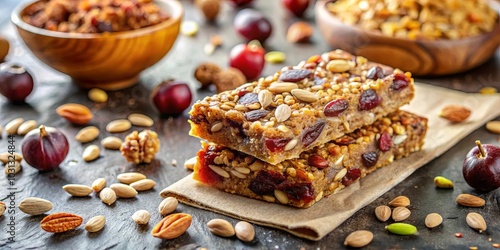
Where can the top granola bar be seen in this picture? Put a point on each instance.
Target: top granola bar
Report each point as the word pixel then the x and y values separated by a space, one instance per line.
pixel 278 117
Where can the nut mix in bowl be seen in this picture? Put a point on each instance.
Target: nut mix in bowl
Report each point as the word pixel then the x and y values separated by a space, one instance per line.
pixel 103 44
pixel 424 37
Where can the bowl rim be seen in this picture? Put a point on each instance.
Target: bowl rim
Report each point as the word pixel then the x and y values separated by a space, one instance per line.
pixel 321 6
pixel 175 16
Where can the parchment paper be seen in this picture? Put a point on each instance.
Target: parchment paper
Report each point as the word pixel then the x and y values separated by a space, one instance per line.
pixel 315 222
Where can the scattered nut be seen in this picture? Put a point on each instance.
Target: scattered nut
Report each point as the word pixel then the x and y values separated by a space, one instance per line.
pixel 168 205
pixel 118 126
pixel 26 127
pixel 111 142
pixel 400 201
pixel 2 208
pixel 209 8
pixel 143 185
pixel 60 222
pixel 5 157
pixel 91 153
pixel 131 177
pixel 35 206
pixel 99 184
pixel 299 32
pixel 123 191
pixel 172 226
pixel 140 120
pixel 140 147
pixel 205 73
pixel 402 228
pixel 476 221
pixel 98 95
pixel 12 126
pixel 455 113
pixel 221 227
pixel 95 224
pixel 87 134
pixel 442 182
pixel 229 79
pixel 433 220
pixel 383 213
pixel 493 127
pixel 244 231
pixel 400 213
pixel 469 200
pixel 359 238
pixel 9 169
pixel 141 217
pixel 108 196
pixel 75 113
pixel 77 190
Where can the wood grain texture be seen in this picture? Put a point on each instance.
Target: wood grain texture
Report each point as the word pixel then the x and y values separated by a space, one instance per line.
pixel 424 58
pixel 108 60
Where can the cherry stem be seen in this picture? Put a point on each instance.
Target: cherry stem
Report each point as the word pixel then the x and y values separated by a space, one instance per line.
pixel 481 149
pixel 43 132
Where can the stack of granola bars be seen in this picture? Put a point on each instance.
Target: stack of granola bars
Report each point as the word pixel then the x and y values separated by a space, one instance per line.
pixel 307 131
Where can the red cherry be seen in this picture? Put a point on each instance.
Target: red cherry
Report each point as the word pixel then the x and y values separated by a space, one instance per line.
pixel 171 97
pixel 297 7
pixel 248 58
pixel 252 25
pixel 481 167
pixel 241 2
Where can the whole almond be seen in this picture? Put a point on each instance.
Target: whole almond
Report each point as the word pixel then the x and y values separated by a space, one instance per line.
pixel 469 200
pixel 304 95
pixel 433 220
pixel 400 201
pixel 75 113
pixel 98 95
pixel 476 221
pixel 118 126
pixel 221 227
pixel 91 153
pixel 35 206
pixel 282 112
pixel 172 226
pixel 99 184
pixel 12 168
pixel 143 185
pixel 26 127
pixel 2 208
pixel 244 231
pixel 108 196
pixel 140 120
pixel 5 157
pixel 95 224
pixel 130 177
pixel 141 217
pixel 60 222
pixel 12 126
pixel 265 98
pixel 87 134
pixel 77 190
pixel 280 87
pixel 189 163
pixel 111 142
pixel 383 213
pixel 168 205
pixel 493 127
pixel 123 191
pixel 455 113
pixel 400 213
pixel 359 238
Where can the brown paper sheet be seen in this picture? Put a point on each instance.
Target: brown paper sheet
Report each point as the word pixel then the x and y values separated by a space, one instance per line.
pixel 315 222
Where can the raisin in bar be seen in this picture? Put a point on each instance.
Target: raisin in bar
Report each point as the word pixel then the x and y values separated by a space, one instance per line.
pixel 318 172
pixel 278 117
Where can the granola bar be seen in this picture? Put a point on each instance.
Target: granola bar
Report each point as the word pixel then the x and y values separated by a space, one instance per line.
pixel 318 172
pixel 278 117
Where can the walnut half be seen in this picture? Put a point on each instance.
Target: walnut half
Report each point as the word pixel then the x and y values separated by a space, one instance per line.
pixel 140 147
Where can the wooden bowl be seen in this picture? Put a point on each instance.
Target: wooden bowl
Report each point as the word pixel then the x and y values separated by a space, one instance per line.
pixel 108 61
pixel 438 57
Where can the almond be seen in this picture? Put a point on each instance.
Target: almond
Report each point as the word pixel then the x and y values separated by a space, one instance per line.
pixel 172 226
pixel 433 220
pixel 455 113
pixel 244 231
pixel 123 191
pixel 141 217
pixel 5 157
pixel 108 196
pixel 26 127
pixel 2 208
pixel 221 227
pixel 75 113
pixel 95 224
pixel 35 206
pixel 400 201
pixel 118 126
pixel 60 222
pixel 476 221
pixel 304 95
pixel 359 238
pixel 12 126
pixel 12 168
pixel 469 200
pixel 400 213
pixel 99 184
pixel 168 205
pixel 111 142
pixel 140 120
pixel 77 190
pixel 87 134
pixel 131 177
pixel 143 185
pixel 383 213
pixel 91 153
pixel 493 127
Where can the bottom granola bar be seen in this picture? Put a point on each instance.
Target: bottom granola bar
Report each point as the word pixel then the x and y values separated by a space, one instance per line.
pixel 318 172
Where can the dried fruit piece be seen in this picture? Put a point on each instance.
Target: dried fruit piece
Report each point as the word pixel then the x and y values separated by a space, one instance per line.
pixel 45 148
pixel 351 176
pixel 375 72
pixel 299 32
pixel 400 82
pixel 369 159
pixel 172 226
pixel 385 142
pixel 75 113
pixel 244 231
pixel 336 107
pixel 255 115
pixel 469 200
pixel 221 227
pixel 317 161
pixel 95 224
pixel 359 238
pixel 400 201
pixel 442 182
pixel 369 99
pixel 476 221
pixel 455 113
pixel 294 75
pixel 400 213
pixel 140 147
pixel 402 228
pixel 433 220
pixel 60 222
pixel 312 133
pixel 383 213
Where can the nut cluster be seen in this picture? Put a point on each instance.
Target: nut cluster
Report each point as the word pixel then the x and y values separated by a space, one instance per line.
pixel 140 147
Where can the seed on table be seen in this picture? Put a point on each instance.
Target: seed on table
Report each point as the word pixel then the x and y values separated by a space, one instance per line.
pixel 400 201
pixel 141 217
pixel 95 224
pixel 383 213
pixel 359 238
pixel 244 231
pixel 26 127
pixel 401 228
pixel 111 142
pixel 91 153
pixel 108 196
pixel 143 185
pixel 77 190
pixel 476 221
pixel 87 134
pixel 469 200
pixel 99 184
pixel 442 182
pixel 5 157
pixel 35 205
pixel 400 213
pixel 221 227
pixel 98 95
pixel 140 120
pixel 118 126
pixel 433 220
pixel 12 126
pixel 123 191
pixel 131 177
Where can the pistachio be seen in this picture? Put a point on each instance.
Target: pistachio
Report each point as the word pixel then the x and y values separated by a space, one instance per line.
pixel 97 95
pixel 99 184
pixel 244 231
pixel 400 201
pixel 433 220
pixel 221 227
pixel 442 182
pixel 118 126
pixel 91 153
pixel 359 238
pixel 26 127
pixel 476 221
pixel 95 224
pixel 111 142
pixel 168 205
pixel 77 190
pixel 383 213
pixel 400 213
pixel 87 134
pixel 140 120
pixel 108 196
pixel 141 217
pixel 469 200
pixel 12 126
pixel 401 228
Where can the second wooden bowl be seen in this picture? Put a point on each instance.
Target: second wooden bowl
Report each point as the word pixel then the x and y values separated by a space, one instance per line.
pixel 421 57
